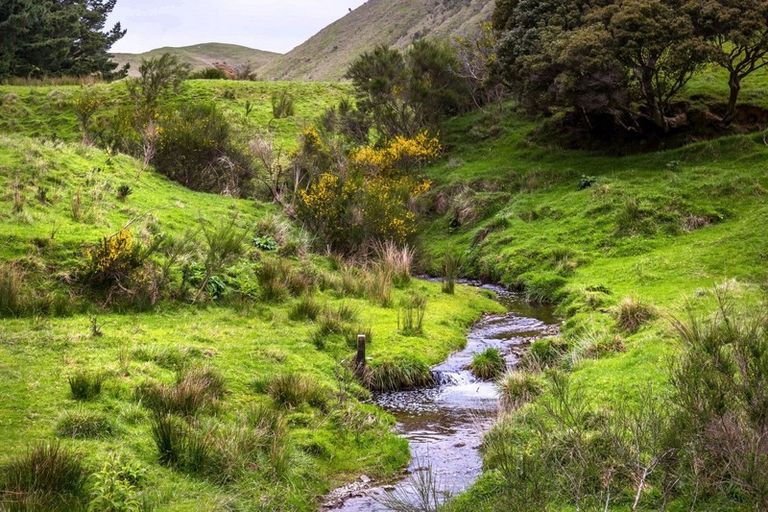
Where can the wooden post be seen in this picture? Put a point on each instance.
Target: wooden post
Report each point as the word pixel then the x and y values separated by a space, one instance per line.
pixel 360 360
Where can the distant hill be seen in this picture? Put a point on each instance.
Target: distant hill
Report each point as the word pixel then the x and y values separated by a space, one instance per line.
pixel 397 23
pixel 202 56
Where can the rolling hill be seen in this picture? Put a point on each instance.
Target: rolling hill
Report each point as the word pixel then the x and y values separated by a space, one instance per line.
pixel 201 56
pixel 326 55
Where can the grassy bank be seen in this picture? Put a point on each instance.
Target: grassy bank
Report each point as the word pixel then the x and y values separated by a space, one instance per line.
pixel 597 234
pixel 254 380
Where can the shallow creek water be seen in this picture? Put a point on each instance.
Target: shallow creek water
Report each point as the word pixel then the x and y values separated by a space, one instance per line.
pixel 445 425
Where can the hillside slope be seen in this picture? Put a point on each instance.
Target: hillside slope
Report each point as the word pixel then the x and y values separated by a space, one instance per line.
pixel 397 23
pixel 202 56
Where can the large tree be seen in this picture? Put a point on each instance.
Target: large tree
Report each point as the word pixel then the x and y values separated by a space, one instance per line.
pixel 41 38
pixel 737 31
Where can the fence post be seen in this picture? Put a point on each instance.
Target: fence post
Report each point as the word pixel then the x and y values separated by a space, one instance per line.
pixel 360 360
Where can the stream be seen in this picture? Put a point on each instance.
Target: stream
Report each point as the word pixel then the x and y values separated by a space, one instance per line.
pixel 445 425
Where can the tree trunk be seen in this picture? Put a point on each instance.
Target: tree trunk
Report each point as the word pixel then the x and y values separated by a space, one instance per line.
pixel 735 84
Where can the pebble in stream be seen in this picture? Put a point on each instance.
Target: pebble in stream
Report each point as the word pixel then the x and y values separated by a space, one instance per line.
pixel 445 425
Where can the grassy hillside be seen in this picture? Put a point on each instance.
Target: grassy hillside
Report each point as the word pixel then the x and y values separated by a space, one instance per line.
pixel 586 230
pixel 325 436
pixel 47 112
pixel 328 54
pixel 201 56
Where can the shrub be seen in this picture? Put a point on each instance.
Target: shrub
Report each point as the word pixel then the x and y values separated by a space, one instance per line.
pixel 196 150
pixel 291 390
pixel 123 191
pixel 283 104
pixel 410 316
pixel 114 260
pixel 517 388
pixel 47 477
pixel 209 74
pixel 398 373
pixel 632 314
pixel 115 487
pixel 86 385
pixel 721 390
pixel 307 308
pixel 83 424
pixel 488 365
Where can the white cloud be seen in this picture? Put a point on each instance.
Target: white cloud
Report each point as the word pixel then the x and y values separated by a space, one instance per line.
pixel 276 25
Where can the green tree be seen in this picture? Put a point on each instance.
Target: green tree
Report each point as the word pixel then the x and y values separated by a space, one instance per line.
pixel 737 31
pixel 41 38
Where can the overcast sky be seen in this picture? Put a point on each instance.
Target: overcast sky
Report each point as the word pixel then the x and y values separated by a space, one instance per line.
pixel 275 25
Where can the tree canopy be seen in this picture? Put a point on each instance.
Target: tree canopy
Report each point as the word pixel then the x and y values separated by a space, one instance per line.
pixel 50 38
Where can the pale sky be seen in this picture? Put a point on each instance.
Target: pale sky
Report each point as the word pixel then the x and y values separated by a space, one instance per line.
pixel 274 25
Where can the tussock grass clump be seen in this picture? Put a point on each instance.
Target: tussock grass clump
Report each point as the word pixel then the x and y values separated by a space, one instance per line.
pixel 196 390
pixel 168 434
pixel 291 390
pixel 451 269
pixel 398 373
pixel 84 424
pixel 545 353
pixel 410 316
pixel 518 388
pixel 377 282
pixel 396 261
pixel 595 344
pixel 86 385
pixel 631 314
pixel 48 477
pixel 488 365
pixel 307 308
pixel 278 280
pixel 11 297
pixel 170 357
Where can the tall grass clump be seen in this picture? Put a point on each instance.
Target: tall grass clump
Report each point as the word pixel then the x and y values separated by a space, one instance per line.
pixel 378 285
pixel 488 364
pixel 410 316
pixel 307 308
pixel 86 385
pixel 195 390
pixel 84 424
pixel 47 477
pixel 632 314
pixel 518 388
pixel 168 434
pixel 11 298
pixel 397 261
pixel 291 390
pixel 451 269
pixel 398 373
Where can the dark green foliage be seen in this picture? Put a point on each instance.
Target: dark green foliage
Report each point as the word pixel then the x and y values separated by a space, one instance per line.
pixel 168 434
pixel 195 148
pixel 488 365
pixel 123 191
pixel 49 38
pixel 546 352
pixel 48 477
pixel 398 373
pixel 402 94
pixel 84 424
pixel 86 385
pixel 209 74
pixel 721 398
pixel 283 104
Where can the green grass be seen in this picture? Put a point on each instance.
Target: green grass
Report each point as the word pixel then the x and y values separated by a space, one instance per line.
pixel 46 112
pixel 329 441
pixel 661 227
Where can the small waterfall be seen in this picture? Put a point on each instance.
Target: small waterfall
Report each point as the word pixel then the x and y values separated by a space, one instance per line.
pixel 453 377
